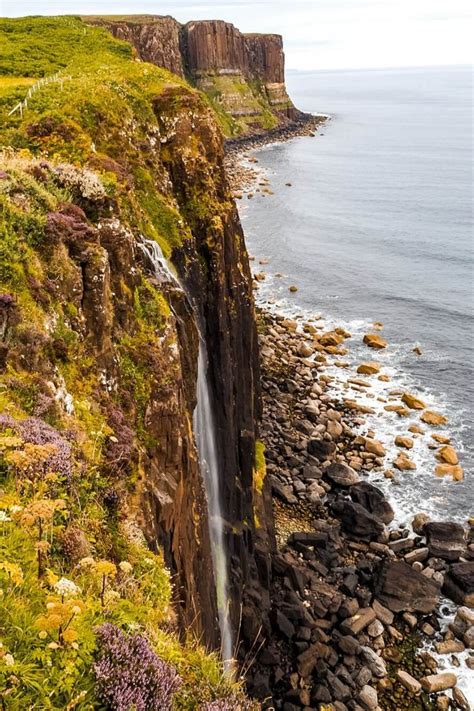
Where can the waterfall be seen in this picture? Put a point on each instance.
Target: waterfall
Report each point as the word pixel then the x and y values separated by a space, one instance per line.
pixel 206 442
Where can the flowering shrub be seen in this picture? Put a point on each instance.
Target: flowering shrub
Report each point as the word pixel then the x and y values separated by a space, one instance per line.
pixel 232 703
pixel 37 449
pixel 129 675
pixel 82 182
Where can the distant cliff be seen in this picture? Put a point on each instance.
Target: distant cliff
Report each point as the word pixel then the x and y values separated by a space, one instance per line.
pixel 243 74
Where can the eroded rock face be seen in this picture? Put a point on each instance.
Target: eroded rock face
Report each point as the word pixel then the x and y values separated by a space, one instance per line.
pixel 402 588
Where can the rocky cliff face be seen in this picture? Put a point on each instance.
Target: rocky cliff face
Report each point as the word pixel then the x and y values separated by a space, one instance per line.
pixel 243 74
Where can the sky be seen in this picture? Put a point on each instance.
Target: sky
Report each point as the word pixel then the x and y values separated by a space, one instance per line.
pixel 318 34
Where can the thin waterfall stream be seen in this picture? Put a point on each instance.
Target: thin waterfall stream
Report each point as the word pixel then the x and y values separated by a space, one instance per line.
pixel 206 442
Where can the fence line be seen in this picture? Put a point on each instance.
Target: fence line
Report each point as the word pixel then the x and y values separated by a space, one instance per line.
pixel 22 105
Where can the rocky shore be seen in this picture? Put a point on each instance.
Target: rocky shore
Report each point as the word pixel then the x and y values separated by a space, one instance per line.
pixel 357 602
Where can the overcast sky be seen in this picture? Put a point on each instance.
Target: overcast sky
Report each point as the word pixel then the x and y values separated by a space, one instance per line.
pixel 318 34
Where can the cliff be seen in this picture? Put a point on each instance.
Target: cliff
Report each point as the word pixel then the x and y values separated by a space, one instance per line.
pixel 243 74
pixel 98 363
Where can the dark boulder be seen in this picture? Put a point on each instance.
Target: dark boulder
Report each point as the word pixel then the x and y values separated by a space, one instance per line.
pixel 401 588
pixel 373 500
pixel 356 521
pixel 445 540
pixel 459 583
pixel 341 474
pixel 321 449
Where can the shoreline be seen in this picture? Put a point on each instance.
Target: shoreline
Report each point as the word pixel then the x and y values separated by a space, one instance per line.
pixel 334 533
pixel 312 508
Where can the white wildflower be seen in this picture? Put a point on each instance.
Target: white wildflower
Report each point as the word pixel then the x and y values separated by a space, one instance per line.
pixel 66 588
pixel 4 517
pixel 125 567
pixel 9 660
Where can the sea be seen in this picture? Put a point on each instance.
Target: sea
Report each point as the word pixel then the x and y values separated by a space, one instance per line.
pixel 371 220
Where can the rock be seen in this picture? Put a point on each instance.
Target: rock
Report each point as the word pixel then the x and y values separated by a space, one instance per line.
pixel 405 442
pixel 463 621
pixel 375 663
pixel 413 402
pixel 445 540
pixel 402 588
pixel 438 682
pixel 383 614
pixel 417 350
pixel 418 555
pixel 459 583
pixel 373 340
pixel 283 492
pixel 404 463
pixel 461 700
pixel 368 697
pixel 441 439
pixel 284 625
pixel 357 521
pixel 307 659
pixel 419 522
pixel 416 429
pixel 369 368
pixel 375 629
pixel 374 447
pixel 341 474
pixel 321 449
pixel 449 646
pixel 304 350
pixel 331 338
pixel 355 624
pixel 447 454
pixel 408 681
pixel 373 500
pixel 454 470
pixel 433 418
pixel 349 645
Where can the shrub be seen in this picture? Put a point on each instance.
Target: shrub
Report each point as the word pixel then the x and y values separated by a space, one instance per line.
pixel 129 675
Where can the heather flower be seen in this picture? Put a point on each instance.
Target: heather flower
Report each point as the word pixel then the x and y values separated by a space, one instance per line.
pixel 81 181
pixel 129 675
pixel 231 703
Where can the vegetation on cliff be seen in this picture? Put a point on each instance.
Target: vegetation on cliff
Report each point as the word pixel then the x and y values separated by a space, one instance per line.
pixel 89 358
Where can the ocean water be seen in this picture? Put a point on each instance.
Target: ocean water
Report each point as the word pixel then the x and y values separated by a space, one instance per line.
pixel 377 226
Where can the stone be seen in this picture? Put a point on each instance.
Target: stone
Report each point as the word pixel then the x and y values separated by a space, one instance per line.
pixel 374 447
pixel 404 463
pixel 349 645
pixel 413 402
pixel 408 681
pixel 375 663
pixel 438 682
pixel 373 340
pixel 283 492
pixel 445 540
pixel 304 350
pixel 418 555
pixel 368 697
pixel 447 454
pixel 307 659
pixel 419 522
pixel 355 624
pixel 373 500
pixel 284 625
pixel 357 521
pixel 430 417
pixel 461 700
pixel 463 622
pixel 321 449
pixel 454 470
pixel 403 589
pixel 449 646
pixel 440 439
pixel 383 613
pixel 459 583
pixel 368 368
pixel 375 629
pixel 416 429
pixel 341 474
pixel 405 442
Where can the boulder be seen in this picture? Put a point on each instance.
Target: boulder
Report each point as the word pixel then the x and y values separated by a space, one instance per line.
pixel 419 522
pixel 401 588
pixel 454 470
pixel 357 521
pixel 368 697
pixel 433 418
pixel 341 474
pixel 413 402
pixel 445 540
pixel 416 429
pixel 321 449
pixel 368 368
pixel 441 439
pixel 374 447
pixel 404 463
pixel 331 338
pixel 408 681
pixel 373 500
pixel 373 340
pixel 459 583
pixel 304 350
pixel 438 682
pixel 375 663
pixel 447 454
pixel 358 622
pixel 405 442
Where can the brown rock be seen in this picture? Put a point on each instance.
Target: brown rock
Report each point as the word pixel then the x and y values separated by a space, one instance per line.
pixel 438 682
pixel 445 540
pixel 402 588
pixel 405 442
pixel 447 454
pixel 404 463
pixel 368 368
pixel 355 624
pixel 408 682
pixel 433 418
pixel 413 402
pixel 384 378
pixel 374 447
pixel 441 439
pixel 373 340
pixel 416 429
pixel 293 288
pixel 454 470
pixel 331 338
pixel 459 583
pixel 419 522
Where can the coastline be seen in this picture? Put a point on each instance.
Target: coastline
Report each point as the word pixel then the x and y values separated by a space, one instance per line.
pixel 346 511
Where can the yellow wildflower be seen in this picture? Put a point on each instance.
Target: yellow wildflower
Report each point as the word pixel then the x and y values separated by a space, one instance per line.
pixel 106 568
